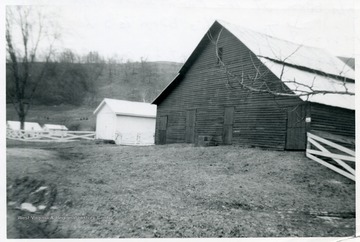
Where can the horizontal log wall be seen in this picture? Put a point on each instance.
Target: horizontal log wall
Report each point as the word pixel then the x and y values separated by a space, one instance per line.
pixel 334 120
pixel 259 119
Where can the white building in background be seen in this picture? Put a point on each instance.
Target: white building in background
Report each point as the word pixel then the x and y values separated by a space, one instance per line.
pixel 126 122
pixel 55 129
pixel 29 126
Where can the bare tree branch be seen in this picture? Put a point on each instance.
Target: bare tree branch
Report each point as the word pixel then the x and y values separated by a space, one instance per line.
pixel 22 53
pixel 258 83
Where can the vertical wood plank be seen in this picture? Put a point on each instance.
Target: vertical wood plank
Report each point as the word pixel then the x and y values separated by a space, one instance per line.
pixel 296 128
pixel 228 125
pixel 190 126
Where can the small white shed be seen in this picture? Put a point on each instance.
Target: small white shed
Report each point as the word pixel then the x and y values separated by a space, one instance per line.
pixel 126 122
pixel 29 126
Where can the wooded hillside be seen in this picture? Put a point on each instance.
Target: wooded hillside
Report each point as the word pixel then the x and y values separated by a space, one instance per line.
pixel 88 83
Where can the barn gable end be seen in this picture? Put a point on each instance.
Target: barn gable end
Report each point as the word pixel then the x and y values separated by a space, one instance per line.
pixel 255 119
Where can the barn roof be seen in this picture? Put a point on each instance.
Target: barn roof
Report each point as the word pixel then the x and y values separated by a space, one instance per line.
pixel 289 52
pixel 55 127
pixel 348 61
pixel 316 82
pixel 15 125
pixel 302 63
pixel 129 108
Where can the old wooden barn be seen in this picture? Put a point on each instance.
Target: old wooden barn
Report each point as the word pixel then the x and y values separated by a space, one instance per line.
pixel 208 100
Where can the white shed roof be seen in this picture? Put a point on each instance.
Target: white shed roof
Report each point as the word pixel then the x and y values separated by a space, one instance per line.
pixel 129 108
pixel 296 54
pixel 317 82
pixel 15 125
pixel 55 127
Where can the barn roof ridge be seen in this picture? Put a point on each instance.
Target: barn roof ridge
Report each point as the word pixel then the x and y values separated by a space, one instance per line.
pixel 224 23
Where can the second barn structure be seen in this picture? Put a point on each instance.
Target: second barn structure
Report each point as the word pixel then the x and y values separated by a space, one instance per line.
pixel 243 87
pixel 125 122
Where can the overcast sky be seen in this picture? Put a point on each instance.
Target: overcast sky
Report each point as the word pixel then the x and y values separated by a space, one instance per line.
pixel 168 30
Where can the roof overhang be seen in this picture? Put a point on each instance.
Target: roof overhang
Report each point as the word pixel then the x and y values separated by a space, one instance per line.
pixel 99 107
pixel 167 89
pixel 135 115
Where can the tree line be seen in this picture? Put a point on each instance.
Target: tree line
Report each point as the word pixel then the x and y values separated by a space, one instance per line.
pixel 69 78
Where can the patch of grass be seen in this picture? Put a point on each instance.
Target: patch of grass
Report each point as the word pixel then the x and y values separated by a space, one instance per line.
pixel 186 191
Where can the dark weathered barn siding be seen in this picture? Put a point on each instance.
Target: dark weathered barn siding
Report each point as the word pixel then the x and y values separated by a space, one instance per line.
pixel 334 120
pixel 258 119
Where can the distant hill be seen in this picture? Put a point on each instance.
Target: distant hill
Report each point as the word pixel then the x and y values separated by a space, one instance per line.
pixel 86 84
pixel 136 81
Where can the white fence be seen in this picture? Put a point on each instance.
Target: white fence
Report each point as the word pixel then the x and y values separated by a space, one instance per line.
pixel 49 136
pixel 134 138
pixel 343 157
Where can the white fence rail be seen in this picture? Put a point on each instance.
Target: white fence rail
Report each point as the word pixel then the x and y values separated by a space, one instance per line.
pixel 316 149
pixel 134 138
pixel 49 136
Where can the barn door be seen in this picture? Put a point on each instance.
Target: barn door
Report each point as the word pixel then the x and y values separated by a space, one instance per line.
pixel 162 129
pixel 228 125
pixel 190 126
pixel 296 129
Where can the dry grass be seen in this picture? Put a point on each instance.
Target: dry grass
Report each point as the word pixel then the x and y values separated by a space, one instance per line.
pixel 185 191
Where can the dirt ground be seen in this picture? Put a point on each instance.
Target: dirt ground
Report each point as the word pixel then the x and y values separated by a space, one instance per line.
pixel 108 191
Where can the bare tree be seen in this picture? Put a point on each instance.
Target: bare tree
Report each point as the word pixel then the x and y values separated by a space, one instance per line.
pixel 93 57
pixel 128 70
pixel 26 36
pixel 68 56
pixel 112 63
pixel 148 78
pixel 258 82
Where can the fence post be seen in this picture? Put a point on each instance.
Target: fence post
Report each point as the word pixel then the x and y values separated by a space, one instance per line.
pixel 308 143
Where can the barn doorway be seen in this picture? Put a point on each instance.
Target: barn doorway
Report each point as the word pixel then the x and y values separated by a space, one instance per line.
pixel 162 129
pixel 228 125
pixel 190 126
pixel 296 129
